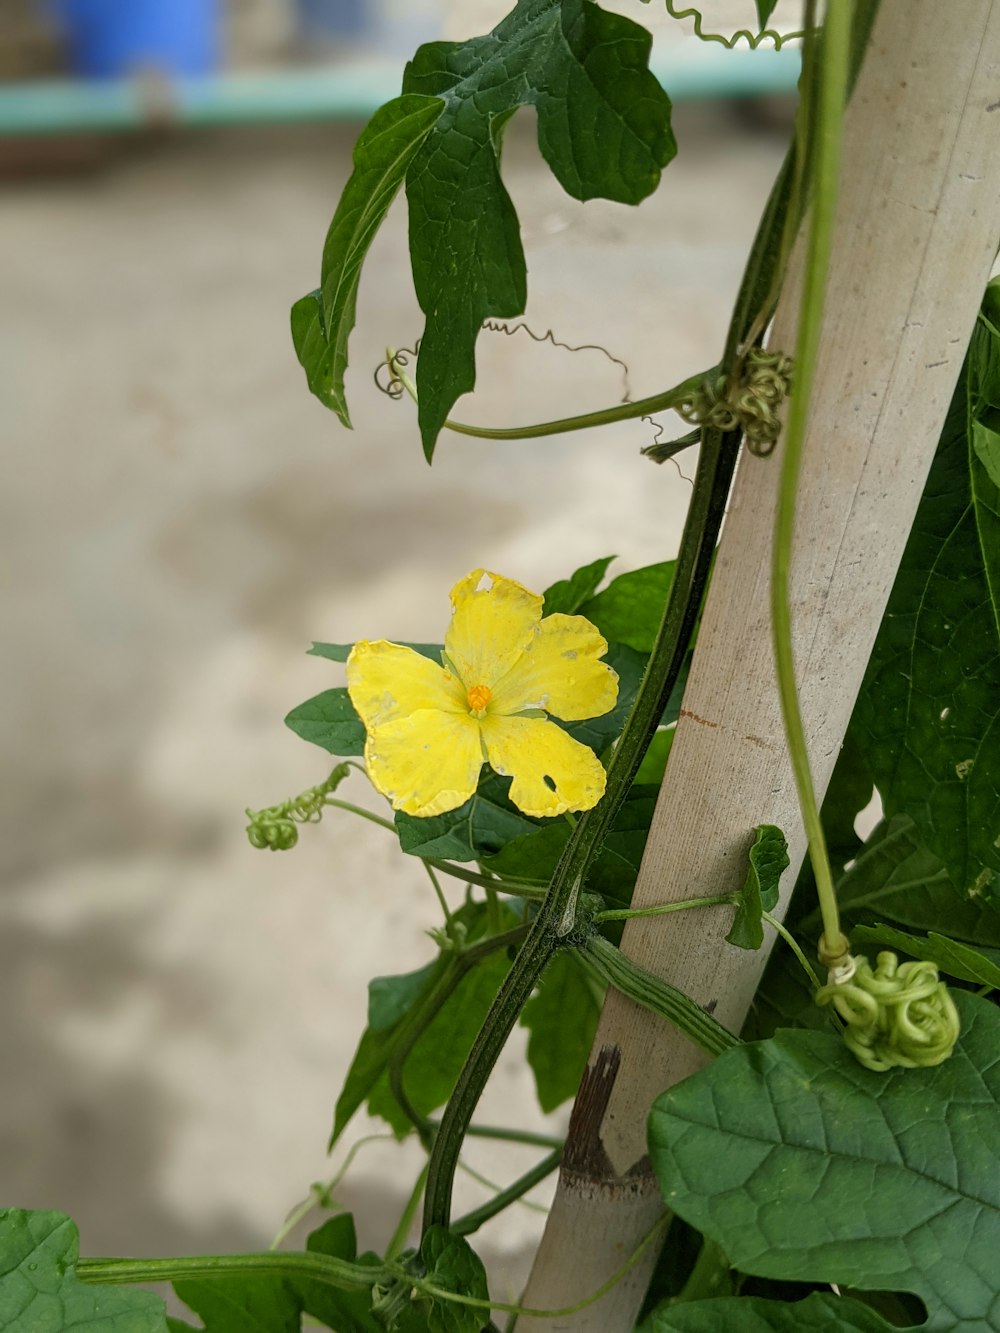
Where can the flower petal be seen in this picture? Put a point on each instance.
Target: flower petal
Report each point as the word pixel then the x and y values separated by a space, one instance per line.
pixel 559 671
pixel 490 627
pixel 387 681
pixel 533 750
pixel 426 763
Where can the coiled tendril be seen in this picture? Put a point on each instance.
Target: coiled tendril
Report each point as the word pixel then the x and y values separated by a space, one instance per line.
pixel 751 405
pixel 753 39
pixel 275 827
pixel 900 1014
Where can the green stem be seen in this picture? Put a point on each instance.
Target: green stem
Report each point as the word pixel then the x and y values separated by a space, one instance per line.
pixel 832 91
pixel 353 809
pixel 628 913
pixel 515 887
pixel 399 1236
pixel 514 1136
pixel 658 402
pixel 473 1220
pixel 322 1267
pixel 319 1193
pixel 442 901
pixel 793 944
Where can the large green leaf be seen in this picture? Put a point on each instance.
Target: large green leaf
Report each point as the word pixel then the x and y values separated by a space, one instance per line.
pixel 561 1018
pixel 330 721
pixel 342 1311
pixel 822 1312
pixel 981 966
pixel 928 716
pixel 894 876
pixel 243 1304
pixel 603 128
pixel 805 1166
pixel 630 608
pixel 39 1289
pixel 322 321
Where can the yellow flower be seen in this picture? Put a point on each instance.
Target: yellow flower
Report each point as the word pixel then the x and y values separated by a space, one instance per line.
pixel 430 728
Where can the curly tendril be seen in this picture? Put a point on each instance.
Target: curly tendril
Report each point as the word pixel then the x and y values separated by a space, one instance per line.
pixel 900 1014
pixel 753 40
pixel 275 827
pixel 751 405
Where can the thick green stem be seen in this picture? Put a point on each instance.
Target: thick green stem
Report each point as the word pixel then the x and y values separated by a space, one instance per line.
pixel 826 140
pixel 322 1267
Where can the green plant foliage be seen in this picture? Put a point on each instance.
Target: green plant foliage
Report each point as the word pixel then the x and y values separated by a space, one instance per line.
pixel 850 790
pixel 479 828
pixel 804 1166
pixel 784 999
pixel 603 128
pixel 561 1018
pixel 330 721
pixel 895 877
pixel 928 714
pixel 822 1312
pixel 654 763
pixel 343 1311
pixel 452 1265
pixel 768 858
pixel 981 966
pixel 599 732
pixel 568 595
pixel 765 8
pixel 322 321
pixel 630 608
pixel 39 1289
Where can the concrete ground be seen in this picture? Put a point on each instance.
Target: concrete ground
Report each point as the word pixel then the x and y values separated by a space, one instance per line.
pixel 179 520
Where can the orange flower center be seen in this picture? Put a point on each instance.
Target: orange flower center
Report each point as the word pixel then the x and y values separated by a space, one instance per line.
pixel 478 697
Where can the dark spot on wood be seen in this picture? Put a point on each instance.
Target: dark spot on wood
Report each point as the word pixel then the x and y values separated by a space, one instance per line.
pixel 710 1007
pixel 993 106
pixel 695 718
pixel 759 741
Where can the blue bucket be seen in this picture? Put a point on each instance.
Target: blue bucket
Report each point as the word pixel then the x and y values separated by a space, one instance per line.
pixel 110 38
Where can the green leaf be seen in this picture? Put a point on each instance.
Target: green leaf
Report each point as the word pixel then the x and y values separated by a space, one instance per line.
pixel 928 716
pixel 568 595
pixel 765 8
pixel 821 1312
pixel 322 321
pixel 768 861
pixel 451 1264
pixel 562 1018
pixel 434 1064
pixel 480 827
pixel 39 1289
pixel 343 1311
pixel 630 608
pixel 986 443
pixel 981 966
pixel 850 790
pixel 243 1304
pixel 654 763
pixel 603 128
pixel 895 876
pixel 805 1166
pixel 784 999
pixel 329 720
pixel 339 652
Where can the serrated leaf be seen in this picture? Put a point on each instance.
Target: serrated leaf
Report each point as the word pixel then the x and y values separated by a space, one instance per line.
pixel 928 715
pixel 451 1264
pixel 243 1304
pixel 630 608
pixel 981 966
pixel 603 128
pixel 480 827
pixel 39 1289
pixel 768 858
pixel 821 1312
pixel 805 1166
pixel 322 321
pixel 895 876
pixel 561 1018
pixel 329 720
pixel 343 1311
pixel 339 652
pixel 568 595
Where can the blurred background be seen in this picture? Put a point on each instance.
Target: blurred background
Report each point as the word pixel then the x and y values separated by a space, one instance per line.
pixel 180 519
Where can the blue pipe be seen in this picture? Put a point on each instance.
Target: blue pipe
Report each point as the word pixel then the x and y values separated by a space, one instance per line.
pixel 349 93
